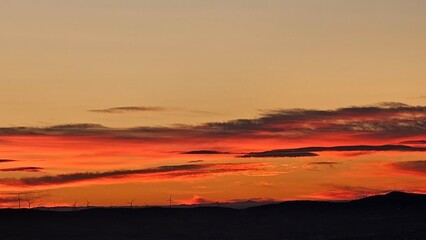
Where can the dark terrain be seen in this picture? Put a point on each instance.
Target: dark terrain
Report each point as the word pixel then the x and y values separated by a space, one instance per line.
pixel 395 215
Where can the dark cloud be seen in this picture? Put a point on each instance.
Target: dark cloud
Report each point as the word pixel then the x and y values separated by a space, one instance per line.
pixel 278 153
pixel 59 130
pixel 386 120
pixel 206 152
pixel 162 171
pixel 412 166
pixel 414 142
pixel 77 126
pixel 11 199
pixel 76 177
pixel 71 129
pixel 381 121
pixel 6 160
pixel 88 129
pixel 305 151
pixel 129 109
pixel 22 169
pixel 196 161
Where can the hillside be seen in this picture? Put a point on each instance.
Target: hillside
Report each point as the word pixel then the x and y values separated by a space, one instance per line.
pixel 395 215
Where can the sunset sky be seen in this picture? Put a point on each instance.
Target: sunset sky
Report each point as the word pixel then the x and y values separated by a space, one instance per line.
pixel 210 101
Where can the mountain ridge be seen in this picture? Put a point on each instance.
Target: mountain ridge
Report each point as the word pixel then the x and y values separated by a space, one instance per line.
pixel 394 215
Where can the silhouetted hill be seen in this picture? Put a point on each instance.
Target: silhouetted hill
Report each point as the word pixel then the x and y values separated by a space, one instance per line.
pixel 395 215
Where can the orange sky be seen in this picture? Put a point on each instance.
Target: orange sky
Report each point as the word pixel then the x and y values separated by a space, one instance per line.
pixel 285 154
pixel 210 100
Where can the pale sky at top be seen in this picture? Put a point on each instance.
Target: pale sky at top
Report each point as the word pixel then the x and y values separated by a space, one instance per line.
pixel 59 59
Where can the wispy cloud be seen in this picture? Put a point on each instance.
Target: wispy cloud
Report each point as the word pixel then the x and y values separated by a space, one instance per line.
pixel 157 172
pixel 22 169
pixel 382 121
pixel 387 119
pixel 204 152
pixel 196 161
pixel 311 151
pixel 6 160
pixel 278 153
pixel 134 109
pixel 130 109
pixel 418 166
pixel 414 142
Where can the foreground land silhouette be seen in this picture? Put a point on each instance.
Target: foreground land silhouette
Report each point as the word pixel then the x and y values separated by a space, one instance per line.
pixel 395 215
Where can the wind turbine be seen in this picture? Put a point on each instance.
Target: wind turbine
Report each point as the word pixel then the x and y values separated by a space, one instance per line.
pixel 131 203
pixel 30 201
pixel 19 201
pixel 170 201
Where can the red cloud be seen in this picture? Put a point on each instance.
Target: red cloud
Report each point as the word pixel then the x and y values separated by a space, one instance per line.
pixel 157 173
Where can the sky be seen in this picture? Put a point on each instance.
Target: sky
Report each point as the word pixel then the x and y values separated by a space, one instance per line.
pixel 210 101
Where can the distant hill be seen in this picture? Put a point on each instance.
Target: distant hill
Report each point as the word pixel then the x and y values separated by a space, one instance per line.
pixel 396 215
